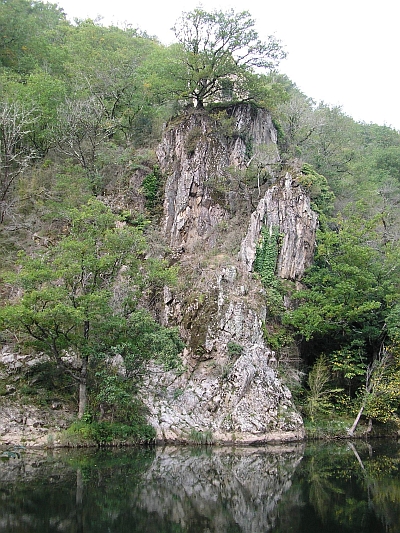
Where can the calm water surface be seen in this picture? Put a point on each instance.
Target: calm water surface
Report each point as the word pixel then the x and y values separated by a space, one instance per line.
pixel 345 487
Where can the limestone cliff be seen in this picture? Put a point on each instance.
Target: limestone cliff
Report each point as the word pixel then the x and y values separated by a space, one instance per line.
pixel 230 390
pixel 287 207
pixel 198 155
pixel 22 423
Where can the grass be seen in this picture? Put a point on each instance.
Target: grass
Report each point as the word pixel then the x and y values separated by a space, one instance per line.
pixel 83 433
pixel 327 428
pixel 201 438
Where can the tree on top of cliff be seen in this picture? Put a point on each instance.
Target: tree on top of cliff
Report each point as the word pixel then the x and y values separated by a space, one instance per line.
pixel 219 51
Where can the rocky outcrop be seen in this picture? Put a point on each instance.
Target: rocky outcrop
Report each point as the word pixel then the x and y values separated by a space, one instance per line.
pixel 285 206
pixel 197 154
pixel 230 390
pixel 27 425
pixel 21 422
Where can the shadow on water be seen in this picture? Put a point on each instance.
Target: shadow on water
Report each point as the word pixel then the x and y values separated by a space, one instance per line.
pixel 347 487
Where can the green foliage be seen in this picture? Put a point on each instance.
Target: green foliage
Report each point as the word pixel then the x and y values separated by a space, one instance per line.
pixel 267 255
pixel 322 198
pixel 15 152
pixel 350 361
pixel 67 305
pixel 327 427
pixel 110 65
pixel 277 336
pixel 388 160
pixel 40 94
pixel 348 288
pixel 151 186
pixel 45 375
pixel 393 322
pixel 265 265
pixel 68 188
pixel 234 350
pixel 138 339
pixel 295 123
pixel 319 394
pixel 382 401
pixel 30 33
pixel 82 433
pixel 351 291
pixel 269 90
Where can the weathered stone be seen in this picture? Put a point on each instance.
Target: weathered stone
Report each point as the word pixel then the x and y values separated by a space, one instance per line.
pixel 194 154
pixel 287 207
pixel 230 390
pixel 29 425
pixel 228 395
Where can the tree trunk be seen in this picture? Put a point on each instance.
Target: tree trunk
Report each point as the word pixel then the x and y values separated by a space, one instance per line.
pixel 83 388
pixel 79 501
pixel 369 428
pixel 356 421
pixel 83 375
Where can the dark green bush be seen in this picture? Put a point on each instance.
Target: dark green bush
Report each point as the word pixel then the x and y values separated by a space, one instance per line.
pixel 83 432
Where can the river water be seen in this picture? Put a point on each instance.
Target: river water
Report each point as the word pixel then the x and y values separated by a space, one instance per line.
pixel 324 487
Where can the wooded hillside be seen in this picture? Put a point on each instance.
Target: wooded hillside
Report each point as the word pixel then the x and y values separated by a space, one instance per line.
pixel 83 260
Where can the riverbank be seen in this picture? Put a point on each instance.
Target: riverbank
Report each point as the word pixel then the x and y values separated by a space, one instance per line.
pixel 34 427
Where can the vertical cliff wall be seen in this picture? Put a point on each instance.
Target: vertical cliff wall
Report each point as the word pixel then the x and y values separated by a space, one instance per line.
pixel 230 390
pixel 197 154
pixel 287 207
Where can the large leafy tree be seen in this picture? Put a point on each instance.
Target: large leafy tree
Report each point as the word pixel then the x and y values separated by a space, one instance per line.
pixel 350 291
pixel 67 305
pixel 218 52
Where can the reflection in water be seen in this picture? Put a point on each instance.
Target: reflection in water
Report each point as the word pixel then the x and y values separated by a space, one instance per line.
pixel 148 490
pixel 350 487
pixel 223 490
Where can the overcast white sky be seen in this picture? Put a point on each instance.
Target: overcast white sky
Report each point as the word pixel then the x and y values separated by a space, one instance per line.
pixel 344 52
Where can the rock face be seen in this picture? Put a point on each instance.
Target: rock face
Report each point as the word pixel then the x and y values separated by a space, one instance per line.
pixel 230 390
pixel 24 424
pixel 197 155
pixel 20 422
pixel 286 207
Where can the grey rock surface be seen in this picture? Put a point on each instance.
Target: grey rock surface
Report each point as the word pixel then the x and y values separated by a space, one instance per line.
pixel 226 394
